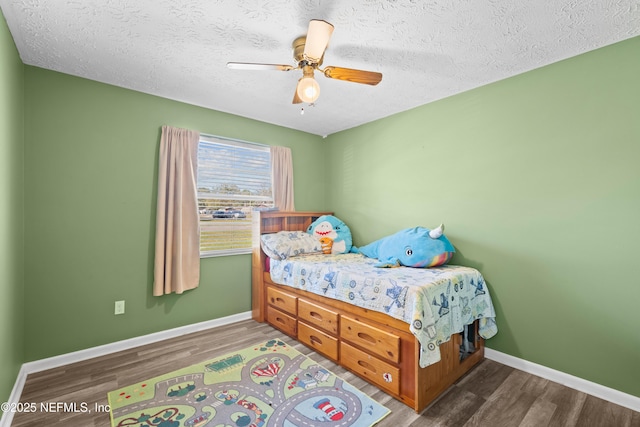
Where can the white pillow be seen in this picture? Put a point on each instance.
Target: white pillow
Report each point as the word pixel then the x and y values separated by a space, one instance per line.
pixel 285 244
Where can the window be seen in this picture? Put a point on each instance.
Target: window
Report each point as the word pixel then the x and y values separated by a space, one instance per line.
pixel 234 178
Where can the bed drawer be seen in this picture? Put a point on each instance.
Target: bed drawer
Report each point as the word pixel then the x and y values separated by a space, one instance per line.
pixel 373 369
pixel 372 339
pixel 282 300
pixel 282 321
pixel 318 316
pixel 318 340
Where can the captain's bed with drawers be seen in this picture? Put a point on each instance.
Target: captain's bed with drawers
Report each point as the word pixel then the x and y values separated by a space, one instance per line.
pixel 412 332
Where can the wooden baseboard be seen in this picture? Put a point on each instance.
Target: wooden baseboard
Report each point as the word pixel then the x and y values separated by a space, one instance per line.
pixel 576 383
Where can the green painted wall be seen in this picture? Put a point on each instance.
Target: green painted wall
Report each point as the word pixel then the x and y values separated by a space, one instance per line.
pixel 90 195
pixel 537 181
pixel 11 210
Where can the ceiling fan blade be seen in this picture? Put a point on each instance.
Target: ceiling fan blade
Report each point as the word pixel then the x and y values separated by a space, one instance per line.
pixel 251 66
pixel 318 36
pixel 357 76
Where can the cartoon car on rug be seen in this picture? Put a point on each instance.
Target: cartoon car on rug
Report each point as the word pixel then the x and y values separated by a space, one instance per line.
pixel 200 420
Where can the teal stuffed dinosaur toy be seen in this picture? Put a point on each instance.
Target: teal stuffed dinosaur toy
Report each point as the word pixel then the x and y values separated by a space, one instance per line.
pixel 412 247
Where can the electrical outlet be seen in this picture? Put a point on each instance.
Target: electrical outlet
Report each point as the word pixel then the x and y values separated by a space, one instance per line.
pixel 119 307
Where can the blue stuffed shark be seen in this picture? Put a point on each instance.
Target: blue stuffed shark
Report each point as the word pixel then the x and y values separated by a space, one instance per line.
pixel 412 247
pixel 333 233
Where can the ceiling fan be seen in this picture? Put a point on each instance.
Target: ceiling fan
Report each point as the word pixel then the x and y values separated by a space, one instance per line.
pixel 308 52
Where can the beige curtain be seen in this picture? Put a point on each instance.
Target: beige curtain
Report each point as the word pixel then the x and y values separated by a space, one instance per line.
pixel 177 262
pixel 282 178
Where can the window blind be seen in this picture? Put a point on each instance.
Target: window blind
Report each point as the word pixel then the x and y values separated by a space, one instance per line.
pixel 234 179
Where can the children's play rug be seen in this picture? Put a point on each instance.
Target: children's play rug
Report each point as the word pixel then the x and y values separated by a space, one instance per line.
pixel 269 384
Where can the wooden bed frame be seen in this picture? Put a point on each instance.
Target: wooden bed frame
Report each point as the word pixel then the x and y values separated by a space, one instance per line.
pixel 372 345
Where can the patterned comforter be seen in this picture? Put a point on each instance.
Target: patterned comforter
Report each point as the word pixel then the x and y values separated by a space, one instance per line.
pixel 435 302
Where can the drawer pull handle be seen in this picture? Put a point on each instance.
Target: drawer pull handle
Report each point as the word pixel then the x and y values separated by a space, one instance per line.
pixel 315 315
pixel 280 300
pixel 315 340
pixel 366 337
pixel 366 365
pixel 280 319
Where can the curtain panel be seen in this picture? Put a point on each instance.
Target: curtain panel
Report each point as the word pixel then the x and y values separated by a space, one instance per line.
pixel 282 178
pixel 177 255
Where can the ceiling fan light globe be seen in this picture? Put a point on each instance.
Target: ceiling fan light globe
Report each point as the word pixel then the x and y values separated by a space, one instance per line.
pixel 308 89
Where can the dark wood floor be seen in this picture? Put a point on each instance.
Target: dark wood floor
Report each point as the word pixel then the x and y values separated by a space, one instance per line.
pixel 492 394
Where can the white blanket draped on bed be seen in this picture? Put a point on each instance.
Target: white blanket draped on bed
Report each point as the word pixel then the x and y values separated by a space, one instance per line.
pixel 435 302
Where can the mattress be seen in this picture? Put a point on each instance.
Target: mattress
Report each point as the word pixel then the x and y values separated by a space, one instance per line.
pixel 435 302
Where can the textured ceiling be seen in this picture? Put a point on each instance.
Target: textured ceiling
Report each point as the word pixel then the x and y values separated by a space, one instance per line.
pixel 426 49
